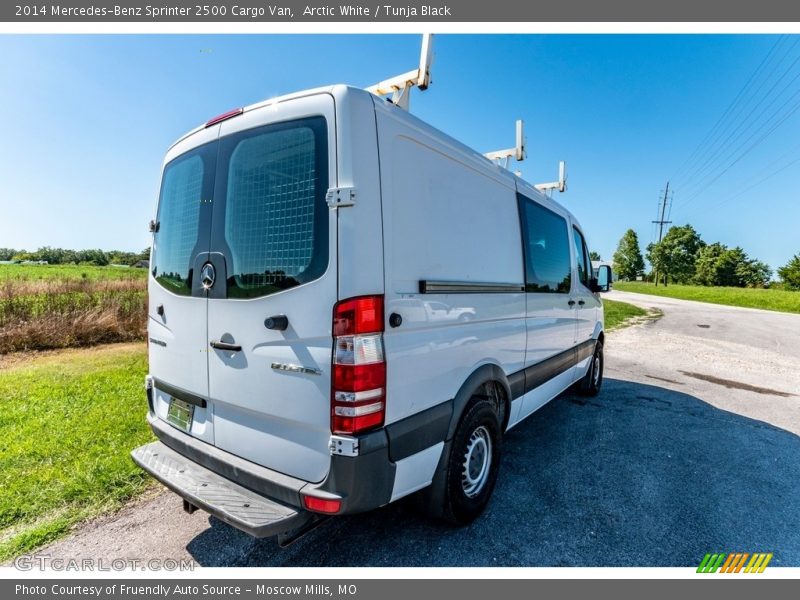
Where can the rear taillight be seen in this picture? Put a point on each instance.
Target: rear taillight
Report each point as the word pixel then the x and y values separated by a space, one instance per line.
pixel 358 385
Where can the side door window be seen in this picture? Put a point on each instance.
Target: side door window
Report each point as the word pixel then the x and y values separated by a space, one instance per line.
pixel 582 258
pixel 547 253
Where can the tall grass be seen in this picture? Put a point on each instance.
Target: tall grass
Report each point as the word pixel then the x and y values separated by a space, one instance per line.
pixel 63 311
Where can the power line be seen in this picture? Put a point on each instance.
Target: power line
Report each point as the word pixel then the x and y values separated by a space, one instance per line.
pixel 743 191
pixel 784 118
pixel 725 113
pixel 755 84
pixel 744 126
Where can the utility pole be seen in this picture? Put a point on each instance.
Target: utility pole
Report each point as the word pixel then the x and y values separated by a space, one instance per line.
pixel 661 222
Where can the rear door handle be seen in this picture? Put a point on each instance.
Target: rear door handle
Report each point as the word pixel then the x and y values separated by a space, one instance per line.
pixel 581 302
pixel 571 302
pixel 225 346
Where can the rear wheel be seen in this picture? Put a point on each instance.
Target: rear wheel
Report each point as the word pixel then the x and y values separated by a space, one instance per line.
pixel 593 380
pixel 473 464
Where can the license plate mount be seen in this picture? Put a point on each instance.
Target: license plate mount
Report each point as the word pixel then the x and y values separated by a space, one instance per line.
pixel 180 414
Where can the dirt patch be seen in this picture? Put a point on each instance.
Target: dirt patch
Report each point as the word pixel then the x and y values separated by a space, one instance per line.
pixel 737 385
pixel 653 315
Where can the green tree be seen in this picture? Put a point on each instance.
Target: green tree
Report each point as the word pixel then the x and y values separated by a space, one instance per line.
pixel 790 273
pixel 594 255
pixel 707 264
pixel 7 253
pixel 755 273
pixel 674 256
pixel 717 264
pixel 143 255
pixel 628 261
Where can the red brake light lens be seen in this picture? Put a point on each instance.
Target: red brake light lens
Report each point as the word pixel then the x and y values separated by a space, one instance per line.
pixel 225 116
pixel 363 314
pixel 359 378
pixel 343 424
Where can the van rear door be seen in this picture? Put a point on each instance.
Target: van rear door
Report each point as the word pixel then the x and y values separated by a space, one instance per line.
pixel 273 249
pixel 177 335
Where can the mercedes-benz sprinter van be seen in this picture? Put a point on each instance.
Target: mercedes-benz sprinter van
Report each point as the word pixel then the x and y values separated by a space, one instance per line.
pixel 348 306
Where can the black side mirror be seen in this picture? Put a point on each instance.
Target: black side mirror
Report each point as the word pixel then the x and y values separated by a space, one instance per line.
pixel 602 283
pixel 153 226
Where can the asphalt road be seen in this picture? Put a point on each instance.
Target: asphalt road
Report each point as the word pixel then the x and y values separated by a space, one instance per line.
pixel 691 447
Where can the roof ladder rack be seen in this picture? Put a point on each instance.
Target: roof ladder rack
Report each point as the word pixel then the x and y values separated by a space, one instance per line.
pixel 517 152
pixel 560 185
pixel 400 86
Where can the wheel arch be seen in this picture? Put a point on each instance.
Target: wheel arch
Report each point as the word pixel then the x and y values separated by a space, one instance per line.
pixel 475 386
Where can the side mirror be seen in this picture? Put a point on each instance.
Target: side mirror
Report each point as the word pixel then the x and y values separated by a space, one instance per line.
pixel 603 281
pixel 153 226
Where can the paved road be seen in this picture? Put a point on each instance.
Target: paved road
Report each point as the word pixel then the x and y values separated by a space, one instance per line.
pixel 691 447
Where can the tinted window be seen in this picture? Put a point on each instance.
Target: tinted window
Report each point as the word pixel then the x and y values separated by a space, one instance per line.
pixel 584 265
pixel 178 218
pixel 276 217
pixel 547 252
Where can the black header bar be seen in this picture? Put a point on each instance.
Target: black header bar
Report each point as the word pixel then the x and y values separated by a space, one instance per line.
pixel 448 11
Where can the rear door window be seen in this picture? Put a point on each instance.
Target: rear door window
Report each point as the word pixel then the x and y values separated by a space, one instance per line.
pixel 186 187
pixel 547 249
pixel 275 226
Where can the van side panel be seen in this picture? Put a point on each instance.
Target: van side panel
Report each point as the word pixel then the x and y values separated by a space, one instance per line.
pixel 448 216
pixel 360 238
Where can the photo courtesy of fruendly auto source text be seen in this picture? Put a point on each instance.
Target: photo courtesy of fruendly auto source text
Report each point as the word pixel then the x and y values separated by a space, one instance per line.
pixel 372 301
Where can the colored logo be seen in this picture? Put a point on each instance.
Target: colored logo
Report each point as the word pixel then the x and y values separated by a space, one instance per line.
pixel 735 562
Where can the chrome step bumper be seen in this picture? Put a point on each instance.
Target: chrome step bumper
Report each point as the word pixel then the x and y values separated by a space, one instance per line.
pixel 228 501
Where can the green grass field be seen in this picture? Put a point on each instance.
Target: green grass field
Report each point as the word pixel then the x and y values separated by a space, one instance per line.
pixel 68 421
pixel 618 313
pixel 768 299
pixel 68 272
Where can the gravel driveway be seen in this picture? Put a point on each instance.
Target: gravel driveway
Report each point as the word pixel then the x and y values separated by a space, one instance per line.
pixel 691 447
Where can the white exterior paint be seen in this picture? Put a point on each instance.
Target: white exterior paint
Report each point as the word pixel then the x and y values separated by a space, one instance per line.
pixel 426 208
pixel 416 471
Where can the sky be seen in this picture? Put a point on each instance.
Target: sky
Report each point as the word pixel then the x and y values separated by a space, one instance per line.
pixel 88 118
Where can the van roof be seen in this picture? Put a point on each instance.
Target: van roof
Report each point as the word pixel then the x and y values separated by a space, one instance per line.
pixel 340 92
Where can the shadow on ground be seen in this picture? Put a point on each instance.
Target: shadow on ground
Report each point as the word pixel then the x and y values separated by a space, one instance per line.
pixel 639 476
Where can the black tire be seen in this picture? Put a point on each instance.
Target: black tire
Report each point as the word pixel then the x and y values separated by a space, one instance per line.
pixel 468 488
pixel 593 380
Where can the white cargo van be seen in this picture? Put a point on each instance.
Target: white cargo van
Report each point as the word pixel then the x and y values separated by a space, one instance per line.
pixel 348 306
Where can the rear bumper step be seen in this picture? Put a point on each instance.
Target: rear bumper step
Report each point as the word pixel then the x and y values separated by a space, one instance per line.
pixel 228 501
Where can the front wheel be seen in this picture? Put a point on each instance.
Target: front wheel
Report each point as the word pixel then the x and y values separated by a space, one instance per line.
pixel 473 464
pixel 593 380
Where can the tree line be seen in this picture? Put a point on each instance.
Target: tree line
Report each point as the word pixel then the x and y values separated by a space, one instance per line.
pixel 683 257
pixel 62 256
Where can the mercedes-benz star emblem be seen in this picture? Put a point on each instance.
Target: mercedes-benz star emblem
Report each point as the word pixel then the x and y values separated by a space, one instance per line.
pixel 207 275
